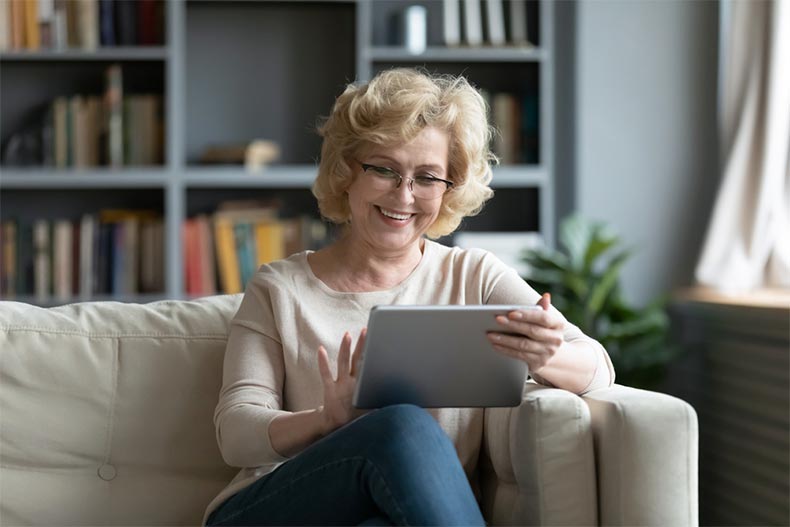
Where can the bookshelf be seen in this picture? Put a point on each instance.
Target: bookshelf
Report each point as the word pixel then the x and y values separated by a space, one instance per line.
pixel 232 71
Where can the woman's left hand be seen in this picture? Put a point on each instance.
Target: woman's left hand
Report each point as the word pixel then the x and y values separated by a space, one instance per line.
pixel 534 336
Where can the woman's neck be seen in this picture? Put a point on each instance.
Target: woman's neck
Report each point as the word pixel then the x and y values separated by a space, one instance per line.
pixel 354 267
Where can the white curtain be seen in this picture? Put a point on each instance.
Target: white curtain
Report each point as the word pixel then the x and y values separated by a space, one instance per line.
pixel 747 245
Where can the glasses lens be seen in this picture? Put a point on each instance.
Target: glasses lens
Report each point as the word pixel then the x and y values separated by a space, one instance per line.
pixel 427 187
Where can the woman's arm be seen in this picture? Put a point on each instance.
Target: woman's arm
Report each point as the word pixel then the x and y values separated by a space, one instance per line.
pixel 291 433
pixel 559 354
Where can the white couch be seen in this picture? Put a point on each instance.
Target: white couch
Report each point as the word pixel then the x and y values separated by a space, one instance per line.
pixel 106 419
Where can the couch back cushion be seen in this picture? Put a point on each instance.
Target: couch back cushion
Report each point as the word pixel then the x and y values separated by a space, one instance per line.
pixel 107 411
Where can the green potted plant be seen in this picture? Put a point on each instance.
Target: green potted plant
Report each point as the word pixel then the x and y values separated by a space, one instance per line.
pixel 583 277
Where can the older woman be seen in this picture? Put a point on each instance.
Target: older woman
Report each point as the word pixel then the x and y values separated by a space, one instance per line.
pixel 404 156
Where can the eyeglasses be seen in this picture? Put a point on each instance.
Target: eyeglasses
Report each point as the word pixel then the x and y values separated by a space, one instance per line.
pixel 423 186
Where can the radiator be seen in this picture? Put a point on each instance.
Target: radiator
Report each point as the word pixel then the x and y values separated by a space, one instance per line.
pixel 736 374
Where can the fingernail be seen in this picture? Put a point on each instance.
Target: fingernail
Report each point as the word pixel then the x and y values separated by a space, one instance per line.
pixel 495 337
pixel 501 319
pixel 516 315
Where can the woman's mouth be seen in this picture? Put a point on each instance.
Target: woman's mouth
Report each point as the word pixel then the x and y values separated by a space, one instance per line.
pixel 400 216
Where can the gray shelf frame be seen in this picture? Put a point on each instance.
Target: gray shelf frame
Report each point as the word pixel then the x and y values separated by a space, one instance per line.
pixel 176 177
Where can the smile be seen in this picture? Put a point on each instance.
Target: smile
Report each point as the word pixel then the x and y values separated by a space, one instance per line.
pixel 394 215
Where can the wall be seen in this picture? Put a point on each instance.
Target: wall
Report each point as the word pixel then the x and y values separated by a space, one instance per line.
pixel 645 155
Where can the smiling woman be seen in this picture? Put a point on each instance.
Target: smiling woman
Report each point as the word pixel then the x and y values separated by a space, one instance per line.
pixel 405 157
pixel 393 109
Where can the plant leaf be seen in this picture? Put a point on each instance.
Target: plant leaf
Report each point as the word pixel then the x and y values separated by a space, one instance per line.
pixel 542 258
pixel 602 240
pixel 575 235
pixel 607 282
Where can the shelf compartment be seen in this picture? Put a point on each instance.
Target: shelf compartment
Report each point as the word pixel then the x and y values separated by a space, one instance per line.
pixel 286 80
pixel 127 258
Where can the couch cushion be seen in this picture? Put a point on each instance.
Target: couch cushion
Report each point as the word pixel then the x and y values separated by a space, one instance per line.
pixel 107 411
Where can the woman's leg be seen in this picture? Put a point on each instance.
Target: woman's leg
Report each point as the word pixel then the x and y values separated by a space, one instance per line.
pixel 395 462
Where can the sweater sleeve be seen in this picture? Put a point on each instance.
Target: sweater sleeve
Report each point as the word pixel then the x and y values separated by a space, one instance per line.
pixel 510 288
pixel 252 385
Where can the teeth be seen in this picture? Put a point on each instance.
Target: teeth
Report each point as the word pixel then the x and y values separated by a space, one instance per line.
pixel 395 215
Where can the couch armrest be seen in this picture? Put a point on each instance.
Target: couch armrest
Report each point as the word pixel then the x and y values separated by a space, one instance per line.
pixel 646 448
pixel 537 466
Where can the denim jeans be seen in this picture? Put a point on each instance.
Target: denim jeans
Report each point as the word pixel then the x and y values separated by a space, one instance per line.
pixel 391 466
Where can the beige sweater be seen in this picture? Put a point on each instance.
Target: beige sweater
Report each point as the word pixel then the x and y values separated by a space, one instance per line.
pixel 271 364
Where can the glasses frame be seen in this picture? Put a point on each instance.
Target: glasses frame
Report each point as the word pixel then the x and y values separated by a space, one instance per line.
pixel 448 185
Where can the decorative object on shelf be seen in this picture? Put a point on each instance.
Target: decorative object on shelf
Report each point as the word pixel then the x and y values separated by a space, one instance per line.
pixel 408 28
pixel 583 279
pixel 254 155
pixel 415 29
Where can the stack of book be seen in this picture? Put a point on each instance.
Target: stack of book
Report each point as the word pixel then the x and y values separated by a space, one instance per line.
pixel 486 22
pixel 223 251
pixel 516 119
pixel 110 130
pixel 80 24
pixel 114 252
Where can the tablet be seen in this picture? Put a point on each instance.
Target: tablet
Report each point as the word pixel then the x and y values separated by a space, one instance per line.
pixel 437 357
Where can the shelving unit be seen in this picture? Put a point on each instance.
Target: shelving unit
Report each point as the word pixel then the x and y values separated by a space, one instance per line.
pixel 235 71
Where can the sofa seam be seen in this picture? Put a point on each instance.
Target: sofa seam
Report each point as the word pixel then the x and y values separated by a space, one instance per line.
pixel 38 329
pixel 113 398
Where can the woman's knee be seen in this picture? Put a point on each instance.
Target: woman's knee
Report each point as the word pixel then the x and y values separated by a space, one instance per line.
pixel 406 429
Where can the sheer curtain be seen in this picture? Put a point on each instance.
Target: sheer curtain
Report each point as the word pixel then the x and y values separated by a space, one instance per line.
pixel 747 245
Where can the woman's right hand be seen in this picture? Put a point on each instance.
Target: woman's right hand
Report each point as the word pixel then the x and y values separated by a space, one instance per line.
pixel 338 393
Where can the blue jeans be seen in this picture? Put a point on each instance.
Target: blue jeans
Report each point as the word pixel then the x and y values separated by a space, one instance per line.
pixel 391 466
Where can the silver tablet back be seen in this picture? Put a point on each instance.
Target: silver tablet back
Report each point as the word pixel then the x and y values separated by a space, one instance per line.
pixel 437 357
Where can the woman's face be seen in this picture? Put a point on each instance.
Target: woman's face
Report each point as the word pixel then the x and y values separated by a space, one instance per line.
pixel 392 219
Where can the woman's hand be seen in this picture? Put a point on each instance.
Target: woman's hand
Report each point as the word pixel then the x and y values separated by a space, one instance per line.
pixel 534 336
pixel 337 409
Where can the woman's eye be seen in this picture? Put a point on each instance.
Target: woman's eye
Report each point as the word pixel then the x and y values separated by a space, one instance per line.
pixel 384 171
pixel 426 181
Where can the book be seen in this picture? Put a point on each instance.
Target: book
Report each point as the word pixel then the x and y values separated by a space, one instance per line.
pixel 245 248
pixel 107 23
pixel 518 23
pixel 113 115
pixel 206 255
pixel 42 260
pixel 32 34
pixel 5 26
pixel 147 23
pixel 77 132
pixel 88 24
pixel 151 256
pixel 506 117
pixel 8 246
pixel 126 23
pixel 87 264
pixel 269 241
pixel 452 22
pixel 62 259
pixel 227 258
pixel 72 24
pixel 496 22
pixel 17 16
pixel 192 283
pixel 473 22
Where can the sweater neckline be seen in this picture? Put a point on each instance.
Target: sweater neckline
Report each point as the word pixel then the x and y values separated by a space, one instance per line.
pixel 426 253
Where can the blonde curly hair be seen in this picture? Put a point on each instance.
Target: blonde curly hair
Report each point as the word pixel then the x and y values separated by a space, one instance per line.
pixel 392 109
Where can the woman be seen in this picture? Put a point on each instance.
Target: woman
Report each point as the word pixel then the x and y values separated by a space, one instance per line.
pixel 403 156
